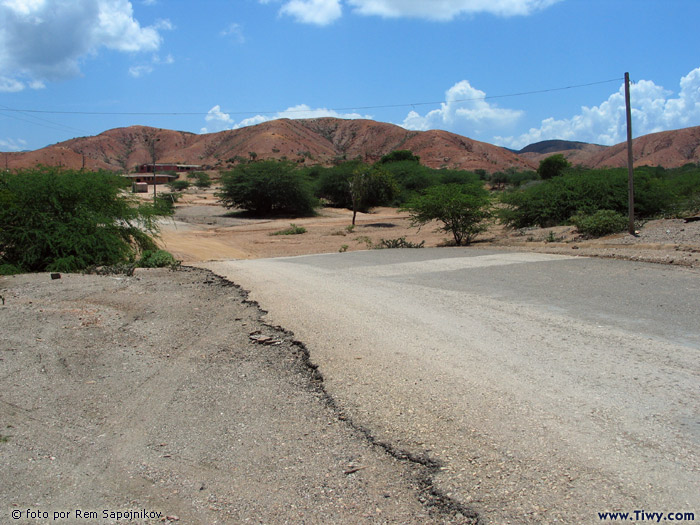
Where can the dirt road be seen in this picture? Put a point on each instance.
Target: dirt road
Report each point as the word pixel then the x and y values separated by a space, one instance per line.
pixel 164 397
pixel 549 388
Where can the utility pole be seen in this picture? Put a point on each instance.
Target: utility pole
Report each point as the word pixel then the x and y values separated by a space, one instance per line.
pixel 630 157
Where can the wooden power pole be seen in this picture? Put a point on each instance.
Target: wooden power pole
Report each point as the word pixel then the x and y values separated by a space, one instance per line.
pixel 630 157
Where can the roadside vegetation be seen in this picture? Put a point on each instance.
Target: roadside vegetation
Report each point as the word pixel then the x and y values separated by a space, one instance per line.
pixel 67 221
pixel 577 196
pixel 595 201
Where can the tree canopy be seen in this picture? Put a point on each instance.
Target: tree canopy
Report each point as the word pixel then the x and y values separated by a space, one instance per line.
pixel 268 188
pixel 68 220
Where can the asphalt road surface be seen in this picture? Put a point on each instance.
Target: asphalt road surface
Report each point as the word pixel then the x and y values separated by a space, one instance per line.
pixel 548 388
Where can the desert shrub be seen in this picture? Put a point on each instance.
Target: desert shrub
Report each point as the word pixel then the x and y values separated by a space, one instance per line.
pixel 554 201
pixel 9 269
pixel 401 242
pixel 165 203
pixel 373 186
pixel 333 184
pixel 399 156
pixel 457 177
pixel 553 166
pixel 202 179
pixel 412 177
pixel 268 188
pixel 602 222
pixel 292 230
pixel 66 220
pixel 156 259
pixel 179 185
pixel 462 209
pixel 511 177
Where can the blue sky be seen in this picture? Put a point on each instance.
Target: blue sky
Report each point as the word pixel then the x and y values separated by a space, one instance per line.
pixel 79 67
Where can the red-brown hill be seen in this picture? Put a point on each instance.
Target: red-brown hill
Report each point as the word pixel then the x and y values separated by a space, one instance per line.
pixel 670 149
pixel 327 140
pixel 308 141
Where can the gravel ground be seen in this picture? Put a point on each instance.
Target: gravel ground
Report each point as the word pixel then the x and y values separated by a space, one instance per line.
pixel 165 392
pixel 665 241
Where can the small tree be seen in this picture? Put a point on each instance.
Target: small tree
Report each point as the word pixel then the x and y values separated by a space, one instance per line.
pixel 553 166
pixel 179 185
pixel 67 220
pixel 399 156
pixel 267 187
pixel 370 186
pixel 203 180
pixel 461 208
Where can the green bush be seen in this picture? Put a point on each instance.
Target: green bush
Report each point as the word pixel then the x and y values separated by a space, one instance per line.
pixel 333 184
pixel 66 220
pixel 268 188
pixel 461 208
pixel 292 230
pixel 179 185
pixel 553 166
pixel 401 242
pixel 600 223
pixel 165 203
pixel 203 180
pixel 156 259
pixel 399 156
pixel 554 201
pixel 9 269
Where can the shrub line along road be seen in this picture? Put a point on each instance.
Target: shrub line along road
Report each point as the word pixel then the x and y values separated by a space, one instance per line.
pixel 548 388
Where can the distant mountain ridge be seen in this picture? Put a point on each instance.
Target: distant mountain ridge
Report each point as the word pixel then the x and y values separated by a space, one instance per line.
pixel 328 140
pixel 553 146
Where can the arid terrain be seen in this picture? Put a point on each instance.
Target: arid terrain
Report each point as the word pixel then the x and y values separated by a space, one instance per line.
pixel 328 140
pixel 202 230
pixel 167 394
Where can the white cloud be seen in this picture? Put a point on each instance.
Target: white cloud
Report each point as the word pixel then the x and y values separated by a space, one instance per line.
pixel 12 145
pixel 318 12
pixel 10 85
pixel 220 121
pixel 464 111
pixel 324 12
pixel 653 110
pixel 147 69
pixel 139 71
pixel 447 9
pixel 235 31
pixel 43 40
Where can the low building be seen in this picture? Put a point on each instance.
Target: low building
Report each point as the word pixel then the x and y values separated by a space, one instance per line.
pixel 161 178
pixel 148 168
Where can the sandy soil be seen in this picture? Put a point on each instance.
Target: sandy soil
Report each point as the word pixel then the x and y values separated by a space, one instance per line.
pixel 201 230
pixel 165 395
pixel 158 392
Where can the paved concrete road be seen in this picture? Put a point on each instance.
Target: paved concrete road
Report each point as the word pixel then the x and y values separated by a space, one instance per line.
pixel 549 388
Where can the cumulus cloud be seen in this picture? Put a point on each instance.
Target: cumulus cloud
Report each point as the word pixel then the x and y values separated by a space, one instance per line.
pixel 653 109
pixel 217 120
pixel 318 12
pixel 447 9
pixel 465 111
pixel 146 69
pixel 44 40
pixel 235 31
pixel 12 145
pixel 324 12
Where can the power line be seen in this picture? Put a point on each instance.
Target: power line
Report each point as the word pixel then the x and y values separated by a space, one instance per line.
pixel 50 124
pixel 349 108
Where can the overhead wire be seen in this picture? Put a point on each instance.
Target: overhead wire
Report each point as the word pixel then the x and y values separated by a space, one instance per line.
pixel 288 111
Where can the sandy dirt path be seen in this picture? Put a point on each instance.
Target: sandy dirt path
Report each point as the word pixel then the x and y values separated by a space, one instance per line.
pixel 164 393
pixel 536 412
